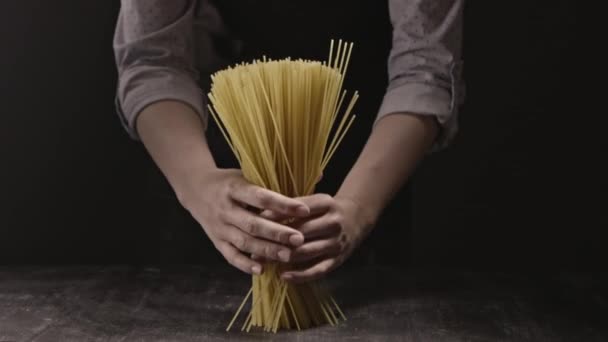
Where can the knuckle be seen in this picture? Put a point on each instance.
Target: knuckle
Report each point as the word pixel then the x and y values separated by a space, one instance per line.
pixel 341 246
pixel 267 214
pixel 305 250
pixel 326 198
pixel 245 246
pixel 218 242
pixel 251 225
pixel 229 256
pixel 230 188
pixel 235 262
pixel 335 221
pixel 222 216
pixel 220 247
pixel 261 196
pixel 270 252
pixel 234 172
pixel 285 208
pixel 233 187
pixel 231 261
pixel 240 242
pixel 338 232
pixel 279 236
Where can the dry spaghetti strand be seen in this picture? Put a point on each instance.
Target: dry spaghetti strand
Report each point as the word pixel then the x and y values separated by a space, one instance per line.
pixel 280 119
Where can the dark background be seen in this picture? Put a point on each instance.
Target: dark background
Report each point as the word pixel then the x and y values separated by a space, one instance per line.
pixel 523 186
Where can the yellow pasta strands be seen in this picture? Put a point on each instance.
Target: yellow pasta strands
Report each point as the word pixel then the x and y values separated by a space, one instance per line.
pixel 282 121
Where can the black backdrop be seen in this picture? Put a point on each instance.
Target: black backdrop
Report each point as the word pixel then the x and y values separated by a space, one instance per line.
pixel 522 186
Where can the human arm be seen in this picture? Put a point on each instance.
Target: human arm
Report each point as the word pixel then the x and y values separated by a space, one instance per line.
pixel 418 114
pixel 162 105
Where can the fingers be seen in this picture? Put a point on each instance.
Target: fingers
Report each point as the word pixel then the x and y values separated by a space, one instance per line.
pixel 325 224
pixel 251 245
pixel 317 203
pixel 261 198
pixel 311 273
pixel 322 226
pixel 258 258
pixel 315 249
pixel 238 260
pixel 257 226
pixel 273 216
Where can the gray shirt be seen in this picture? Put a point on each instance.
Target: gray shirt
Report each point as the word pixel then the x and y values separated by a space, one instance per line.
pixel 162 46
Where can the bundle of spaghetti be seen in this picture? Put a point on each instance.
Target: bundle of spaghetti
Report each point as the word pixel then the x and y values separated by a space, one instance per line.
pixel 282 120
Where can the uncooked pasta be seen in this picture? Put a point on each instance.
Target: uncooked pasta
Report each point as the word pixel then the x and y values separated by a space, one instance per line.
pixel 283 120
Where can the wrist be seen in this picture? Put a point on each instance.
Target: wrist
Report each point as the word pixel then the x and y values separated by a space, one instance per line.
pixel 188 181
pixel 366 213
pixel 174 136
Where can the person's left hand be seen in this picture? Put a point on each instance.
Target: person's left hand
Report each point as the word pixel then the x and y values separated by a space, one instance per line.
pixel 332 231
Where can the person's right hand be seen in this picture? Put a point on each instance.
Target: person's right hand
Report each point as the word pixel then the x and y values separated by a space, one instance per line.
pixel 218 200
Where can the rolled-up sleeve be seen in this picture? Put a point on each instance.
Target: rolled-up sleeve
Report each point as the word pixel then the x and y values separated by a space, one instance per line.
pixel 425 63
pixel 153 48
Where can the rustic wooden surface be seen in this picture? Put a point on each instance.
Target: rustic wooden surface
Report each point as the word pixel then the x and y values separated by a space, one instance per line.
pixel 187 303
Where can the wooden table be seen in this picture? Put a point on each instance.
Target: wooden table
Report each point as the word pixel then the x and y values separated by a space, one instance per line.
pixel 188 303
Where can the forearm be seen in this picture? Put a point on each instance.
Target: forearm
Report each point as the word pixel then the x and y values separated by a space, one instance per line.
pixel 173 134
pixel 397 143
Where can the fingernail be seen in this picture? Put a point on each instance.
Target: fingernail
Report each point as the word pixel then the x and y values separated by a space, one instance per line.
pixel 302 210
pixel 286 276
pixel 256 269
pixel 284 255
pixel 296 239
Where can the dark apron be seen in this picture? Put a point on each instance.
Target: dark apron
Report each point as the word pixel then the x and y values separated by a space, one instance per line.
pixel 279 29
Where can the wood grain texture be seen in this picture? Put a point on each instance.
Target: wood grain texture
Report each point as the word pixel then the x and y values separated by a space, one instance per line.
pixel 188 303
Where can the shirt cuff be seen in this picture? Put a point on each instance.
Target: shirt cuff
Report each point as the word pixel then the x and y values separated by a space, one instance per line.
pixel 427 99
pixel 171 88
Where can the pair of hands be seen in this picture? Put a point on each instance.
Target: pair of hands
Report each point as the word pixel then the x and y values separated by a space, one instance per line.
pixel 322 233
